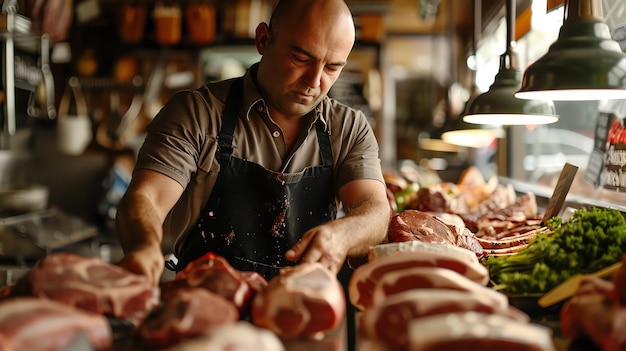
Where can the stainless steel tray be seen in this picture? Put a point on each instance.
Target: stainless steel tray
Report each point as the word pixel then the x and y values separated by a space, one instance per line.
pixel 28 237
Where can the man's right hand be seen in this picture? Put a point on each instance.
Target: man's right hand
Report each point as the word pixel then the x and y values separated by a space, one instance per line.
pixel 148 261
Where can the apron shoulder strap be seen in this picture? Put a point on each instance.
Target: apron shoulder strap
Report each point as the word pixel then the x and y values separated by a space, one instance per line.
pixel 229 118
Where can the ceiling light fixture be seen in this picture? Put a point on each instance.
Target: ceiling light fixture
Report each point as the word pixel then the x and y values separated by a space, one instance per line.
pixel 460 133
pixel 498 106
pixel 583 64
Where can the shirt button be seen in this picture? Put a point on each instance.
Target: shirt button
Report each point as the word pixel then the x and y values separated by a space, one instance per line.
pixel 276 134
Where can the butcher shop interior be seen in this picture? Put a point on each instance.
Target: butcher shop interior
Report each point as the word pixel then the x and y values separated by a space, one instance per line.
pixel 499 125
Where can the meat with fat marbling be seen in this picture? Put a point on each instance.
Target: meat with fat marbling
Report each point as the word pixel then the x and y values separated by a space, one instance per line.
pixel 398 281
pixel 461 331
pixel 214 273
pixel 29 323
pixel 92 285
pixel 239 336
pixel 188 313
pixel 306 300
pixel 365 277
pixel 388 321
pixel 595 313
pixel 421 226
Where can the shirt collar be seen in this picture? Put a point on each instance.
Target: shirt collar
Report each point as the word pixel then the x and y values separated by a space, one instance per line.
pixel 252 98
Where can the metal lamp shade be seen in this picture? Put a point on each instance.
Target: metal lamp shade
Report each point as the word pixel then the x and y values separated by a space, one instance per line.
pixel 584 63
pixel 499 106
pixel 472 135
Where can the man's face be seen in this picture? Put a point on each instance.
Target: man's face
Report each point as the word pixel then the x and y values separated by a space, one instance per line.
pixel 299 67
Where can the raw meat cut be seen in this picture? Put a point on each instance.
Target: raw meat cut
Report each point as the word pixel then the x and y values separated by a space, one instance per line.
pixel 518 217
pixel 240 336
pixel 28 323
pixel 417 225
pixel 388 321
pixel 387 249
pixel 92 285
pixel 306 300
pixel 594 312
pixel 365 277
pixel 189 313
pixel 463 331
pixel 214 273
pixel 398 281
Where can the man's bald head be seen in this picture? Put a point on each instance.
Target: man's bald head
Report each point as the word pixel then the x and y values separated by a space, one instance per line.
pixel 315 13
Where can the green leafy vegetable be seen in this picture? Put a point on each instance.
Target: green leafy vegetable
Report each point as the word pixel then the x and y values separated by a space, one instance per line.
pixel 591 240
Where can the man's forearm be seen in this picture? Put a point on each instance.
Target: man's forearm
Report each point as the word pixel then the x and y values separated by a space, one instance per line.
pixel 366 225
pixel 138 224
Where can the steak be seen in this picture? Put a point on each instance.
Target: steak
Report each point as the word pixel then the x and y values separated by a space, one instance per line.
pixel 28 323
pixel 364 278
pixel 421 226
pixel 306 300
pixel 416 278
pixel 213 272
pixel 189 313
pixel 91 284
pixel 507 221
pixel 388 321
pixel 477 331
pixel 594 313
pixel 239 336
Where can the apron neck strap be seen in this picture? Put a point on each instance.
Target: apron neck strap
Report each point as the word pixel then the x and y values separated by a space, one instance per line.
pixel 324 143
pixel 229 117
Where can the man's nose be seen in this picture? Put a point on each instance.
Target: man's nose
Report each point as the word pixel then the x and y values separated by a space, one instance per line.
pixel 313 76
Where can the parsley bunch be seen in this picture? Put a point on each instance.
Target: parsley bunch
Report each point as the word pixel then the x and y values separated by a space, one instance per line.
pixel 591 240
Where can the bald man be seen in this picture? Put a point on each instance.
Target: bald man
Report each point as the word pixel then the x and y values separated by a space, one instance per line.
pixel 254 168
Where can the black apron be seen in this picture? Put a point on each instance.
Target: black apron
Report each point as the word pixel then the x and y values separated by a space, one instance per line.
pixel 255 215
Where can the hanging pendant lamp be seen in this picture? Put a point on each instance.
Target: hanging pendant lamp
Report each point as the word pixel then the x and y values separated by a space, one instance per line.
pixel 498 106
pixel 460 133
pixel 472 135
pixel 584 63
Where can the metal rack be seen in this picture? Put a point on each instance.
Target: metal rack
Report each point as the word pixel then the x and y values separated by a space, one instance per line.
pixel 16 33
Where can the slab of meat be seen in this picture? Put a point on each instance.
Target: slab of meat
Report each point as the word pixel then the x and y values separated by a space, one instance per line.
pixel 461 331
pixel 306 300
pixel 239 336
pixel 214 273
pixel 595 313
pixel 398 281
pixel 387 249
pixel 189 313
pixel 389 320
pixel 92 285
pixel 517 218
pixel 421 226
pixel 28 323
pixel 365 277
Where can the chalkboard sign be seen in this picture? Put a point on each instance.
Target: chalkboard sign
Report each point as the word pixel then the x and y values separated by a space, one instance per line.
pixel 606 133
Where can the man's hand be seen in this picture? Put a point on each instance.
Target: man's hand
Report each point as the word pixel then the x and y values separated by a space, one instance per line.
pixel 148 261
pixel 365 224
pixel 320 245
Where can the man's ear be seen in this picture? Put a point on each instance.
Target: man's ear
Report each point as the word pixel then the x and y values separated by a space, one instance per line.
pixel 262 37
